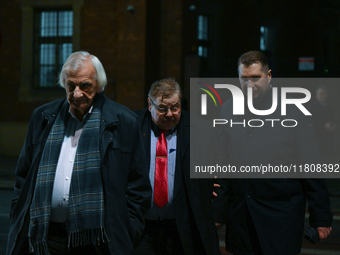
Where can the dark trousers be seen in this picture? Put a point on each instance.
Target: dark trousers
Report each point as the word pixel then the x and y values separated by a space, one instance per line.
pixel 250 244
pixel 160 237
pixel 57 243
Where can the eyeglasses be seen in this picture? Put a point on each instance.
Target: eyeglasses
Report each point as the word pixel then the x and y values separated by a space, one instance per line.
pixel 164 110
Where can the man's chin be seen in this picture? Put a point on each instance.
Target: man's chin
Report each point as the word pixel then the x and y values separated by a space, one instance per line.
pixel 256 95
pixel 80 103
pixel 168 126
pixel 80 107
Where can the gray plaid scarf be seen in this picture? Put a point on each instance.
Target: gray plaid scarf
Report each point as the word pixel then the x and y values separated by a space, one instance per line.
pixel 85 222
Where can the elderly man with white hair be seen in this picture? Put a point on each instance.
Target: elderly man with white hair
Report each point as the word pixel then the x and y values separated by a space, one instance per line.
pixel 81 180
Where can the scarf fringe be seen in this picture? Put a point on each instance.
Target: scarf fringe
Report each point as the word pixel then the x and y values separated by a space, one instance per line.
pixel 40 249
pixel 88 236
pixel 31 248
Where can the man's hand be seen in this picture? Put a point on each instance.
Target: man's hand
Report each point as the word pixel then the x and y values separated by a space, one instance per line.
pixel 215 186
pixel 218 225
pixel 324 232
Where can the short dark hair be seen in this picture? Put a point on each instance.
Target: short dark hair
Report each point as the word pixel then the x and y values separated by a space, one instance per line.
pixel 252 57
pixel 321 87
pixel 165 88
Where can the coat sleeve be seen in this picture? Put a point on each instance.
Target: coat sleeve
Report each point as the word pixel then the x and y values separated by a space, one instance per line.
pixel 318 203
pixel 28 152
pixel 315 189
pixel 23 188
pixel 21 171
pixel 220 203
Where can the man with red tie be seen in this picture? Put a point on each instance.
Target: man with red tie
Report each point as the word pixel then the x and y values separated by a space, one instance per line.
pixel 180 220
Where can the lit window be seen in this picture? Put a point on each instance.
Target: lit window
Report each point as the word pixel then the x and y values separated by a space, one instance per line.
pixel 264 38
pixel 53 44
pixel 202 35
pixel 202 51
pixel 202 27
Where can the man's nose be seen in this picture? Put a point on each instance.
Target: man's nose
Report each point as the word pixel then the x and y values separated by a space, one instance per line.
pixel 169 113
pixel 250 84
pixel 77 92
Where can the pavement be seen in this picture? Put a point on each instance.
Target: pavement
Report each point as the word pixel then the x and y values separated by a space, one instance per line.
pixel 329 246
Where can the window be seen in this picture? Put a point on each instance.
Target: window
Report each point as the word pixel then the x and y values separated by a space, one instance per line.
pixel 50 32
pixel 202 35
pixel 264 38
pixel 53 44
pixel 202 27
pixel 202 51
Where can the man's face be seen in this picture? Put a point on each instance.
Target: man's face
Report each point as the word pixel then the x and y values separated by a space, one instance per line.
pixel 253 76
pixel 81 87
pixel 165 113
pixel 321 95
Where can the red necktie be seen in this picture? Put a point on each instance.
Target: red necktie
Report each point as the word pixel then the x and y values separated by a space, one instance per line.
pixel 160 196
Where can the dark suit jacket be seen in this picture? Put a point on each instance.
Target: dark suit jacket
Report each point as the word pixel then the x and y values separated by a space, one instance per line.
pixel 192 197
pixel 124 173
pixel 323 114
pixel 275 208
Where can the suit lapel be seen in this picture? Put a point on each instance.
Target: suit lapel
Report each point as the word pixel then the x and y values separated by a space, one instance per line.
pixel 182 146
pixel 183 140
pixel 146 134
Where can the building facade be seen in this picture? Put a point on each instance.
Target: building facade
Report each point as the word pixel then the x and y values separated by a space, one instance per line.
pixel 140 41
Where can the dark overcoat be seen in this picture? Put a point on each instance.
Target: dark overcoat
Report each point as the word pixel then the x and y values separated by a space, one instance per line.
pixel 192 197
pixel 127 190
pixel 323 114
pixel 274 208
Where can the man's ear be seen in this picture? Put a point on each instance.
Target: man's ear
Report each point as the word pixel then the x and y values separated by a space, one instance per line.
pixel 149 104
pixel 269 75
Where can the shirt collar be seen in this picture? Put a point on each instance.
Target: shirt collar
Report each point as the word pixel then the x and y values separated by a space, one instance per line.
pixel 157 131
pixel 90 111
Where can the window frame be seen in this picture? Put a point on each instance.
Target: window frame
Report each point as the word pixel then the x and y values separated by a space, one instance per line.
pixel 40 40
pixel 203 36
pixel 27 90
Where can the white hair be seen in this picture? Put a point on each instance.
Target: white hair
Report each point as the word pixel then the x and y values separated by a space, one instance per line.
pixel 76 60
